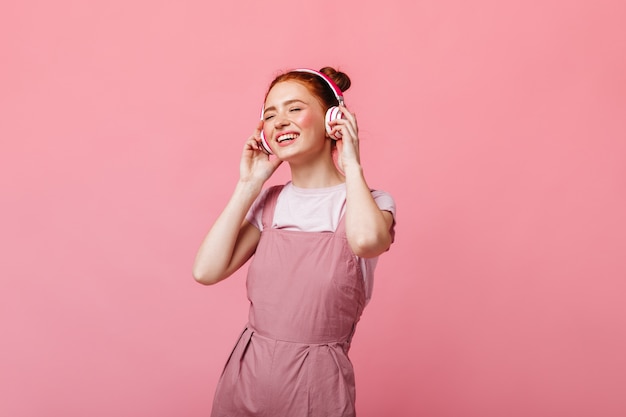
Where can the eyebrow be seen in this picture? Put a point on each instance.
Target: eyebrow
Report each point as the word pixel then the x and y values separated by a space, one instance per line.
pixel 286 103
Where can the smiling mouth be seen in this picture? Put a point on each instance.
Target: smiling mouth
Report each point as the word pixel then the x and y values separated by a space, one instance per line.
pixel 285 138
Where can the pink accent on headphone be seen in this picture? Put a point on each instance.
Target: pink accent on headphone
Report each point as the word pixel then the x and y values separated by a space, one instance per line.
pixel 332 113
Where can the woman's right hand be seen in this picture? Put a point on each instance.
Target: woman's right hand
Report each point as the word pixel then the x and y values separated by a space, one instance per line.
pixel 255 164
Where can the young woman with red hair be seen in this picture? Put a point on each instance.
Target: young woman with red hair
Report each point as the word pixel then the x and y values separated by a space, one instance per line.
pixel 315 241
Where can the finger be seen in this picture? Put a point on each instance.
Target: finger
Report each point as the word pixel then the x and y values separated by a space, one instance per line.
pixel 336 133
pixel 349 121
pixel 345 126
pixel 258 129
pixel 254 143
pixel 251 143
pixel 348 115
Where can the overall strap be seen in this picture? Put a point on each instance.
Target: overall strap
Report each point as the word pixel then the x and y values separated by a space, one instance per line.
pixel 270 205
pixel 340 230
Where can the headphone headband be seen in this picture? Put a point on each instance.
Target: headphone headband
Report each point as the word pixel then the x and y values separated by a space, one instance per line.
pixel 333 86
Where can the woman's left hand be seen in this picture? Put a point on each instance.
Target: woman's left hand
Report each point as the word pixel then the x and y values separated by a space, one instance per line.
pixel 348 145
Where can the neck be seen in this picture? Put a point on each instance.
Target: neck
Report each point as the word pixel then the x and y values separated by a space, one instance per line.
pixel 321 173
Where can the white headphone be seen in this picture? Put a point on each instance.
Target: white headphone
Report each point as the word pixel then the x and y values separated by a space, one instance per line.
pixel 332 113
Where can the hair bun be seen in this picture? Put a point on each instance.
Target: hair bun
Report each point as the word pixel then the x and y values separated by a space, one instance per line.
pixel 341 79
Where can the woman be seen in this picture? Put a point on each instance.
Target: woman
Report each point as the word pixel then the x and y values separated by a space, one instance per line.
pixel 316 241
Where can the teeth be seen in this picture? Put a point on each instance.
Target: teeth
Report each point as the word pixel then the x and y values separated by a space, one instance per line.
pixel 290 136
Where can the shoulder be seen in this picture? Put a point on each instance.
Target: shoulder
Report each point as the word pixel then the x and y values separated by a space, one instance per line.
pixel 270 192
pixel 255 213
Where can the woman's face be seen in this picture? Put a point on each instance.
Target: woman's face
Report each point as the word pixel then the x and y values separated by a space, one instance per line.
pixel 294 121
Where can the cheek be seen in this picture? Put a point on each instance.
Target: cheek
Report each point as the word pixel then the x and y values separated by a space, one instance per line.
pixel 311 120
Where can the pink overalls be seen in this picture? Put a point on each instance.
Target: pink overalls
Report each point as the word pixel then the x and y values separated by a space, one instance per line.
pixel 306 295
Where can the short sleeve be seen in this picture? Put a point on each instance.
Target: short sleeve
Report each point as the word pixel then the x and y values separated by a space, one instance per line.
pixel 385 201
pixel 255 213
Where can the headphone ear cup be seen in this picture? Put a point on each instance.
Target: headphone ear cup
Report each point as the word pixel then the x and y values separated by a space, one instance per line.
pixel 264 145
pixel 333 114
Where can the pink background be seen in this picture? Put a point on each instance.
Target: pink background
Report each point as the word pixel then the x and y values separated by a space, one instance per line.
pixel 499 127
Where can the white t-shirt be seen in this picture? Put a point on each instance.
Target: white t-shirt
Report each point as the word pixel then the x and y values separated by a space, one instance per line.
pixel 318 210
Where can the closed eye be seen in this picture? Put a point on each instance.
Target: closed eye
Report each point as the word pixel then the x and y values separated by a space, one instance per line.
pixel 268 117
pixel 295 109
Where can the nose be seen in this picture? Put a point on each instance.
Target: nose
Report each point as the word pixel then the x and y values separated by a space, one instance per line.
pixel 281 120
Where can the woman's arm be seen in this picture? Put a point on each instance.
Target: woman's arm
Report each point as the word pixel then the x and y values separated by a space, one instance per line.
pixel 232 240
pixel 368 228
